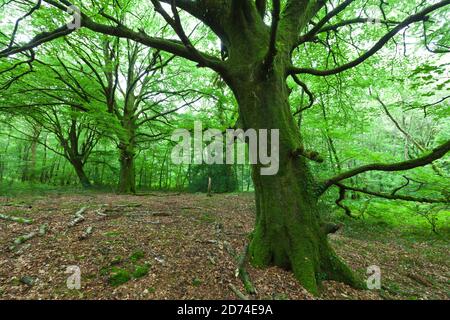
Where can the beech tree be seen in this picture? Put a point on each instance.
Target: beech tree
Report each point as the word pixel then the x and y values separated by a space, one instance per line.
pixel 260 46
pixel 126 75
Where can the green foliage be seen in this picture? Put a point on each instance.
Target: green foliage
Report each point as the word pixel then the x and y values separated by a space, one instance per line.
pixel 141 271
pixel 112 234
pixel 118 276
pixel 196 282
pixel 137 255
pixel 223 178
pixel 122 270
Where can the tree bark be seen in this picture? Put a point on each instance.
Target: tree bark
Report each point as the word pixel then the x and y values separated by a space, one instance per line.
pixel 287 231
pixel 127 178
pixel 79 170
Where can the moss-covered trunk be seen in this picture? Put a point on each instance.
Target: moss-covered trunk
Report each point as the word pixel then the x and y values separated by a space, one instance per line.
pixel 127 178
pixel 288 226
pixel 79 170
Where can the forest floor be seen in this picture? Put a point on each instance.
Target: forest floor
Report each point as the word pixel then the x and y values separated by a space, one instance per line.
pixel 171 246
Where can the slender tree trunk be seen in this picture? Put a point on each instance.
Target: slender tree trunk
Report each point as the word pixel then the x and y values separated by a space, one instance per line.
pixel 44 161
pixel 150 180
pixel 25 161
pixel 288 230
pixel 2 158
pixel 34 144
pixel 143 171
pixel 162 169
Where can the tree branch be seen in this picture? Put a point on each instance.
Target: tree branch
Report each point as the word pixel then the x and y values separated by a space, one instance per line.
pixel 308 154
pixel 261 6
pixel 436 154
pixel 420 16
pixel 170 46
pixel 37 41
pixel 339 203
pixel 316 29
pixel 295 17
pixel 175 23
pixel 344 23
pixel 271 53
pixel 391 196
pixel 307 91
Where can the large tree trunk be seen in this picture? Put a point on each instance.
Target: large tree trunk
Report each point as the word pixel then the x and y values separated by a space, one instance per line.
pixel 127 178
pixel 288 229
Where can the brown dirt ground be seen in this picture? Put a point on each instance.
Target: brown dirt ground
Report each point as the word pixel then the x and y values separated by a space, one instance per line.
pixel 178 235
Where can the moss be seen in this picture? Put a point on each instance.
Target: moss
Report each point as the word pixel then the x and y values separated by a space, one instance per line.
pixel 137 255
pixel 141 271
pixel 287 232
pixel 207 218
pixel 259 249
pixel 116 260
pixel 196 282
pixel 104 271
pixel 18 213
pixel 112 234
pixel 304 272
pixel 118 277
pixel 337 270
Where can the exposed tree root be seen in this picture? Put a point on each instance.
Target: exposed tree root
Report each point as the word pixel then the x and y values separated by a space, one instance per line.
pixel 238 293
pixel 241 272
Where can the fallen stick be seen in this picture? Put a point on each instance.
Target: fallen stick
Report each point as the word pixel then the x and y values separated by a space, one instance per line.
pixel 100 213
pixel 78 217
pixel 16 219
pixel 237 292
pixel 22 249
pixel 22 239
pixel 25 238
pixel 43 229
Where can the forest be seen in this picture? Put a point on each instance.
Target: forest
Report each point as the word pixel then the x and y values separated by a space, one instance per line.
pixel 116 116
